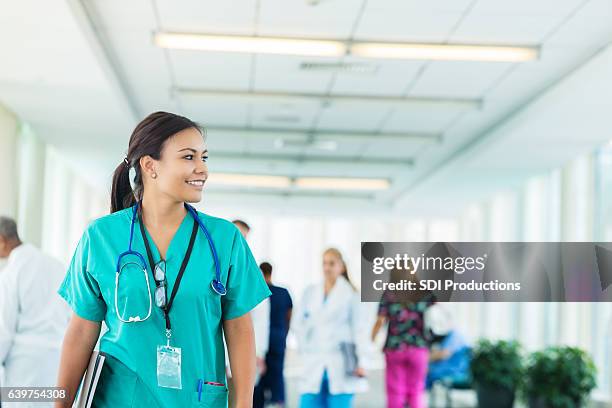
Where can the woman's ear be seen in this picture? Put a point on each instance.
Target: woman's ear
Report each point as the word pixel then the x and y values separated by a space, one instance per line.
pixel 148 165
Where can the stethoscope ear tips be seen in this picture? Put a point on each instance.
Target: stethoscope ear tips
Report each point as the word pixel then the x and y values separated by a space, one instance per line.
pixel 218 287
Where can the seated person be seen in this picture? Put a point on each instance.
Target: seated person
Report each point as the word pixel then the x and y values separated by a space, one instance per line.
pixel 449 358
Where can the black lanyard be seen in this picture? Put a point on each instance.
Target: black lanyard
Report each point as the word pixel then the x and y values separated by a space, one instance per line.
pixel 177 283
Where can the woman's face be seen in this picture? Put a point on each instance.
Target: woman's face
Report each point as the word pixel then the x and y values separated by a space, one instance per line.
pixel 332 265
pixel 182 170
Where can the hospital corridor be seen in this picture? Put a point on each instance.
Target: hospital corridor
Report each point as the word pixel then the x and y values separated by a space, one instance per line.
pixel 306 203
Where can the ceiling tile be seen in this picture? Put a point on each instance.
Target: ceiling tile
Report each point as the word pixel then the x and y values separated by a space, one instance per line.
pixel 133 15
pixel 290 114
pixel 458 79
pixel 344 148
pixel 528 80
pixel 220 141
pixel 208 16
pixel 150 88
pixel 283 73
pixel 505 29
pixel 406 28
pixel 526 7
pixel 209 70
pixel 590 28
pixel 218 111
pixel 409 21
pixel 393 148
pixel 421 119
pixel 328 19
pixel 362 116
pixel 390 77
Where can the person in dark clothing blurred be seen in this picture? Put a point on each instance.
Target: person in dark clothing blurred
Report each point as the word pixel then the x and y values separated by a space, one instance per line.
pixel 271 387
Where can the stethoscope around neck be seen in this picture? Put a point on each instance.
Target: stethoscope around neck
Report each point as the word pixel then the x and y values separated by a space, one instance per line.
pixel 215 284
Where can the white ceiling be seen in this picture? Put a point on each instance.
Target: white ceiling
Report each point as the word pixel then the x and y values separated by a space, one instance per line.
pixel 83 72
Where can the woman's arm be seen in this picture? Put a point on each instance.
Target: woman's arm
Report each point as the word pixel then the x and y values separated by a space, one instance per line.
pixel 288 318
pixel 438 354
pixel 359 335
pixel 240 339
pixel 379 323
pixel 79 341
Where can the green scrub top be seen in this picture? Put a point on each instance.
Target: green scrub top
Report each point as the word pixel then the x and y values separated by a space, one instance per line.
pixel 129 377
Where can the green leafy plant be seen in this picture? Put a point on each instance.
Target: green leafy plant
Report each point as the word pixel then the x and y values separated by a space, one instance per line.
pixel 497 364
pixel 559 377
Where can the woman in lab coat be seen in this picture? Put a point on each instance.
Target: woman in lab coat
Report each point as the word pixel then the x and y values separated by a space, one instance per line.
pixel 327 317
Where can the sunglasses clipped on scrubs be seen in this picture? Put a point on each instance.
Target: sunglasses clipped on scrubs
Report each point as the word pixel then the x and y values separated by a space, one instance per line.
pixel 159 270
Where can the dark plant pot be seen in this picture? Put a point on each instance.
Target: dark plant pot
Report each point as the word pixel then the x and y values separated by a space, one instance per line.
pixel 539 402
pixel 494 397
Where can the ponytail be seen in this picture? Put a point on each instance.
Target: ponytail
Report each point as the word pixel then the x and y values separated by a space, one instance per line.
pixel 122 195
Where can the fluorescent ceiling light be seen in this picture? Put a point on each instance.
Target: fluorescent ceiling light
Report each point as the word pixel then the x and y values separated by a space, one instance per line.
pixel 253 45
pixel 328 145
pixel 447 52
pixel 331 183
pixel 313 183
pixel 344 67
pixel 335 48
pixel 249 180
pixel 283 97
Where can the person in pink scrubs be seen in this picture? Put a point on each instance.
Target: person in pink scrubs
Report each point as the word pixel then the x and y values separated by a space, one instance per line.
pixel 407 345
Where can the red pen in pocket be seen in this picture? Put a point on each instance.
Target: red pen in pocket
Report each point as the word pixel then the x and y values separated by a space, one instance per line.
pixel 216 384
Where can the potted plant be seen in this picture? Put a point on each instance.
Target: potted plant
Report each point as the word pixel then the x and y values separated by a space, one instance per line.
pixel 559 377
pixel 497 370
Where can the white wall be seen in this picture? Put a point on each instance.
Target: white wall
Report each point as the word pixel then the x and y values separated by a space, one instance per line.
pixel 31 168
pixel 8 163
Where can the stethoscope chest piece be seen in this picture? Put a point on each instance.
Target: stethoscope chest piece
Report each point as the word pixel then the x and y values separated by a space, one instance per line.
pixel 218 287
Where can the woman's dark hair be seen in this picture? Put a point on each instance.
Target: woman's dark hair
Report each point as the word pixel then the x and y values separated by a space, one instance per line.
pixel 266 268
pixel 147 139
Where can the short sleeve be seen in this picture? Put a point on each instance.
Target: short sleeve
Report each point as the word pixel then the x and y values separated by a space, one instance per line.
pixel 289 300
pixel 453 342
pixel 246 286
pixel 79 288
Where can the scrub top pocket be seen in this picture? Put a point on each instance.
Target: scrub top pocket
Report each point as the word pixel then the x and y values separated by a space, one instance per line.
pixel 119 387
pixel 212 396
pixel 115 388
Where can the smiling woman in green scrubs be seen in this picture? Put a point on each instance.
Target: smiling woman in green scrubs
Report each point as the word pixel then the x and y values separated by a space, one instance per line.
pixel 174 355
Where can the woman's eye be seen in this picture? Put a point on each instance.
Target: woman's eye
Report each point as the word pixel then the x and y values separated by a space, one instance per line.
pixel 190 157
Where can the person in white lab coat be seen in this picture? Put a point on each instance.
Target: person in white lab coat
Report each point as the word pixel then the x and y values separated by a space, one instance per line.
pixel 328 315
pixel 33 317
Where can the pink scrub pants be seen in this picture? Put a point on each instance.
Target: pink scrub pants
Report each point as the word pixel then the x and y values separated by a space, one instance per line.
pixel 405 376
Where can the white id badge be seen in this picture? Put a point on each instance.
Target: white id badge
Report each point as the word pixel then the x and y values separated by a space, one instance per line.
pixel 169 367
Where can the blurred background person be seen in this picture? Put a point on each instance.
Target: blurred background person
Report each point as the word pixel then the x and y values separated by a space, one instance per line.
pixel 328 317
pixel 271 387
pixel 32 316
pixel 243 227
pixel 406 348
pixel 260 316
pixel 449 357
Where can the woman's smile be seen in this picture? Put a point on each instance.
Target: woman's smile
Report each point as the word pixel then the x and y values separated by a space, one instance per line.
pixel 197 184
